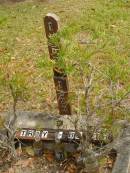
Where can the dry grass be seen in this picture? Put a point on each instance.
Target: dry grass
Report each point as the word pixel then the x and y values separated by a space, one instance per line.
pixel 23 43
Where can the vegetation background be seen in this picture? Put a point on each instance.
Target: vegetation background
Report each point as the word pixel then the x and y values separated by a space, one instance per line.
pixel 95 43
pixel 95 52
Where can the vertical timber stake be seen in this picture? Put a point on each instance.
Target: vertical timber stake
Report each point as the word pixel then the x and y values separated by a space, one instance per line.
pixel 51 22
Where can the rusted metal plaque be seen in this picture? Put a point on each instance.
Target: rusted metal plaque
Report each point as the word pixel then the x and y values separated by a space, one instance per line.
pixel 48 135
pixel 51 22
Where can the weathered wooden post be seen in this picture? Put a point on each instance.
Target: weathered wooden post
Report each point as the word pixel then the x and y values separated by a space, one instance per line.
pixel 51 22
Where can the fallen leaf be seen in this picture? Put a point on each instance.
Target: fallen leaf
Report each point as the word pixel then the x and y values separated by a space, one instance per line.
pixel 25 163
pixel 30 151
pixel 49 157
pixel 71 168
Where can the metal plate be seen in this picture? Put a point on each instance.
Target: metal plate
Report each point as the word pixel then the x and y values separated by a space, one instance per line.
pixel 48 135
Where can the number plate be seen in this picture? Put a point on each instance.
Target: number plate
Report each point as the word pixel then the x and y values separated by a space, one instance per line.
pixel 48 135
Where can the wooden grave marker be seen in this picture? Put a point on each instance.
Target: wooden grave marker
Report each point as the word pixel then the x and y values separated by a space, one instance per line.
pixel 51 23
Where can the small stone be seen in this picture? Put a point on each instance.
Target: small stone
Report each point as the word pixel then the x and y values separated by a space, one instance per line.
pixel 59 156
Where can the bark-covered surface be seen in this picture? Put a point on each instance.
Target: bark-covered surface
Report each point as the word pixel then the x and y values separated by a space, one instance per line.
pixel 122 164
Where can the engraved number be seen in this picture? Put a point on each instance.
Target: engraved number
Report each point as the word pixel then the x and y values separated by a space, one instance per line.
pixel 23 133
pixel 44 134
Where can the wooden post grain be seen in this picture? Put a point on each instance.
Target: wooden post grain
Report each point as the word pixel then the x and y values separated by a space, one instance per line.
pixel 51 23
